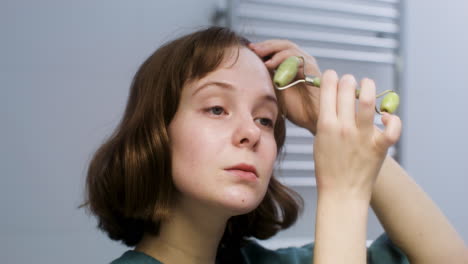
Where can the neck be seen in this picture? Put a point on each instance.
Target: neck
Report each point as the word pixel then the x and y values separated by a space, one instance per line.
pixel 191 235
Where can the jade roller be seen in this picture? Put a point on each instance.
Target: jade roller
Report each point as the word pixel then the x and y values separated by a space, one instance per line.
pixel 287 71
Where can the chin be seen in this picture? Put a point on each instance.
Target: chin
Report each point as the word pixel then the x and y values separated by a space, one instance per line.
pixel 240 209
pixel 241 203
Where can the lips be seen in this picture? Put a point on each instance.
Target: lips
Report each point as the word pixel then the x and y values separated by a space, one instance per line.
pixel 245 168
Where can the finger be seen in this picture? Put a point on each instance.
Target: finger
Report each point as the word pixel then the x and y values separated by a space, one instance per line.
pixel 268 47
pixel 279 57
pixel 328 90
pixel 311 67
pixel 366 110
pixel 392 130
pixel 346 100
pixel 273 52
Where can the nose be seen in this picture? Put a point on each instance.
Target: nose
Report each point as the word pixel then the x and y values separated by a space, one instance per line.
pixel 247 133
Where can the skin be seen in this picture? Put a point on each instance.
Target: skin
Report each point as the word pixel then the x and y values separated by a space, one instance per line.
pixel 215 128
pixel 346 186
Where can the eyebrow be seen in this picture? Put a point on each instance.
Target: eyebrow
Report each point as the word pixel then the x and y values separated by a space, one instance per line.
pixel 228 86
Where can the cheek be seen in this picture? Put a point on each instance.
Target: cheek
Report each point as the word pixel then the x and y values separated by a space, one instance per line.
pixel 267 157
pixel 194 143
pixel 184 162
pixel 185 150
pixel 193 146
pixel 272 151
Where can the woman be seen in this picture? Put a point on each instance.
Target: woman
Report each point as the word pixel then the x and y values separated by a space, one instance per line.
pixel 187 175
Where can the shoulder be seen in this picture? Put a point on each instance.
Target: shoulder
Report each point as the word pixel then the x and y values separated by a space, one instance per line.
pixel 253 252
pixel 381 251
pixel 135 257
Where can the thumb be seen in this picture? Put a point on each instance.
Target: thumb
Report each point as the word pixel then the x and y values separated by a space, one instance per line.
pixel 392 130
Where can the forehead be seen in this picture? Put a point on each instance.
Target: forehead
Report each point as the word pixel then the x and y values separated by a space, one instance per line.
pixel 243 69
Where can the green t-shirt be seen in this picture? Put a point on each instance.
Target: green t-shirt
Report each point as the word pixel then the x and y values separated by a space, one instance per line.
pixel 381 251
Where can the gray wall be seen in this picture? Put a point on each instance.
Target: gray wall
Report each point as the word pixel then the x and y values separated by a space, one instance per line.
pixel 65 70
pixel 66 67
pixel 435 119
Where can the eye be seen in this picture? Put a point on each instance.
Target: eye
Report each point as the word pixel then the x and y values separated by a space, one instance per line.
pixel 266 122
pixel 216 110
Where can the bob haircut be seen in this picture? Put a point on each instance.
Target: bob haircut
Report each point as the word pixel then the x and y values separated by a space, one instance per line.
pixel 129 185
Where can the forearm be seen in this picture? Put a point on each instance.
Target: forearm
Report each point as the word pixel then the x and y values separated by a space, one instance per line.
pixel 412 221
pixel 340 231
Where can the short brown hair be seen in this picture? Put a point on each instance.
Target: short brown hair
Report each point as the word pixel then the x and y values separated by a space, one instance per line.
pixel 129 185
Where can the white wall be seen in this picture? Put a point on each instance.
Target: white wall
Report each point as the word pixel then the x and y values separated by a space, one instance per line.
pixel 65 71
pixel 435 112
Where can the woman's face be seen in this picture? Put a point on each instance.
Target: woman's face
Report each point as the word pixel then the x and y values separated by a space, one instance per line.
pixel 222 136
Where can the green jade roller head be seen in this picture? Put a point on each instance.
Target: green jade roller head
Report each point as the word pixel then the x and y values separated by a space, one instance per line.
pixel 287 71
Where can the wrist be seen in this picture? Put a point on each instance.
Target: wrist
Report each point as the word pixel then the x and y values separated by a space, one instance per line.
pixel 340 232
pixel 348 197
pixel 332 192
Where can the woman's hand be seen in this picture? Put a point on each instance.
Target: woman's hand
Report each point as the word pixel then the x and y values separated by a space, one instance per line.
pixel 301 94
pixel 348 148
pixel 348 151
